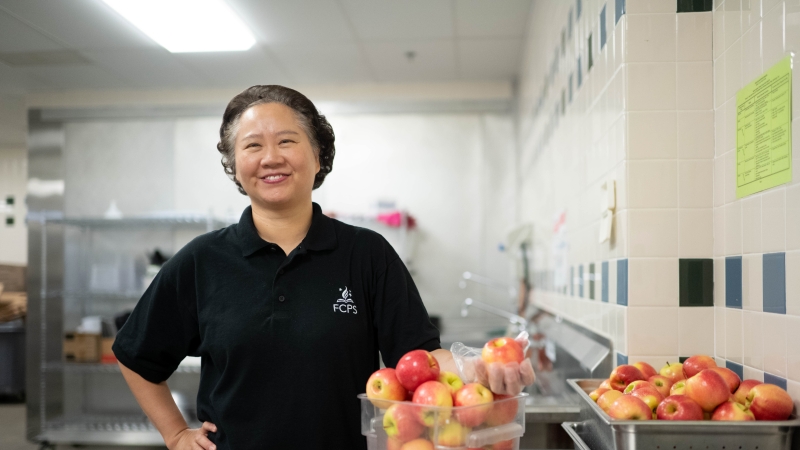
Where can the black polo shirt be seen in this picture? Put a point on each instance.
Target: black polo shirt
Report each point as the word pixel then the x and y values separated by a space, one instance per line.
pixel 287 342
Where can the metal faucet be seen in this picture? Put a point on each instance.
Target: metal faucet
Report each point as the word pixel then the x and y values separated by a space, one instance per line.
pixel 485 281
pixel 519 323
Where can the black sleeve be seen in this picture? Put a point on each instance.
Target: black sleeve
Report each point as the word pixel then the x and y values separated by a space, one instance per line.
pixel 163 328
pixel 401 320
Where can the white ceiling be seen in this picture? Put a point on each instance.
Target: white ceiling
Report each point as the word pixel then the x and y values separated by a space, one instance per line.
pixel 299 41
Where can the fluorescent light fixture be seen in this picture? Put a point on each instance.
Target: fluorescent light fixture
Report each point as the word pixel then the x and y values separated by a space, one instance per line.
pixel 187 25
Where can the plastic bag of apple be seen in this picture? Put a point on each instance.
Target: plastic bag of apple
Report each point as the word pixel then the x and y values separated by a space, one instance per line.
pixel 696 390
pixel 418 407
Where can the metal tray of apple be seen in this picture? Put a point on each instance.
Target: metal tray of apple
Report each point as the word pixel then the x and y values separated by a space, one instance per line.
pixel 598 431
pixel 497 425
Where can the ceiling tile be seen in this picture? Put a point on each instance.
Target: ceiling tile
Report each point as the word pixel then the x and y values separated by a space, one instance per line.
pixel 280 21
pixel 79 24
pixel 146 68
pixel 489 59
pixel 236 69
pixel 78 77
pixel 322 62
pixel 433 60
pixel 15 36
pixel 407 19
pixel 481 18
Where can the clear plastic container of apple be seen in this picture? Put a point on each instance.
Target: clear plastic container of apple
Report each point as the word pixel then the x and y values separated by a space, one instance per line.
pixel 416 406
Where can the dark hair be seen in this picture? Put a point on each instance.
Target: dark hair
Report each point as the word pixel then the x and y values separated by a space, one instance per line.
pixel 315 125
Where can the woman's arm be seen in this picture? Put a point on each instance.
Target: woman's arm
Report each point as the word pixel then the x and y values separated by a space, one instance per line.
pixel 157 403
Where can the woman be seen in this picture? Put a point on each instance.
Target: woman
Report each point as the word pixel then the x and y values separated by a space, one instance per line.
pixel 288 308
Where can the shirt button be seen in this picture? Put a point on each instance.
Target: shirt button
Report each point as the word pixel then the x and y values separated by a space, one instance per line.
pixel 281 298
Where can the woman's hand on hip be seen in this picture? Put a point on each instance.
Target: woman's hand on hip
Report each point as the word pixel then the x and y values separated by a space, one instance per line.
pixel 194 438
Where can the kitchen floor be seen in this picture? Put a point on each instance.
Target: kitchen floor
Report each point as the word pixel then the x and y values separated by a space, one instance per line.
pixel 12 432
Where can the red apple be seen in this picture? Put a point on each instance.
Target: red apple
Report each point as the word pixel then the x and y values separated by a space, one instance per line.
pixel 624 375
pixel 393 444
pixel 650 396
pixel 476 399
pixel 433 393
pixel 504 410
pixel 503 445
pixel 418 444
pixel 628 407
pixel 597 393
pixel 673 371
pixel 401 422
pixel 451 380
pixel 606 384
pixel 502 350
pixel 732 411
pixel 452 434
pixel 729 376
pixel 638 384
pixel 679 388
pixel 679 407
pixel 769 402
pixel 417 367
pixel 694 365
pixel 661 383
pixel 708 389
pixel 646 369
pixel 740 396
pixel 384 385
pixel 607 399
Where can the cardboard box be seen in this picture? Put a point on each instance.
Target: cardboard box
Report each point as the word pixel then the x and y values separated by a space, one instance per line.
pixel 82 347
pixel 106 354
pixel 13 278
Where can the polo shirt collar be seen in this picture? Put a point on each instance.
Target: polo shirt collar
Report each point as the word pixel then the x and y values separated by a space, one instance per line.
pixel 321 235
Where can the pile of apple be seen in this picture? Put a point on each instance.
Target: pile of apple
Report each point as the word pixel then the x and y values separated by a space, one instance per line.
pixel 694 390
pixel 440 399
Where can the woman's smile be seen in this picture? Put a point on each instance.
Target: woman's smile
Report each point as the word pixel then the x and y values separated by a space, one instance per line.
pixel 274 178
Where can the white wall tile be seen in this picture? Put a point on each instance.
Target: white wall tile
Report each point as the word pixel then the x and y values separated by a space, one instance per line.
pixel 719 131
pixel 653 232
pixel 649 6
pixel 719 332
pixel 733 229
pixel 619 237
pixel 793 350
pixel 751 13
pixel 775 343
pixel 793 388
pixel 733 335
pixel 652 184
pixel 752 58
pixel 719 282
pixel 719 81
pixel 696 331
pixel 792 24
pixel 773 35
pixel 752 283
pixel 719 231
pixel 694 36
pixel 795 127
pixel 696 184
pixel 651 37
pixel 653 282
pixel 733 21
pixel 718 32
pixel 733 69
pixel 773 224
pixel 793 283
pixel 730 127
pixel 751 224
pixel 612 282
pixel 642 341
pixel 719 182
pixel 696 233
pixel 695 86
pixel 652 135
pixel 730 177
pixel 753 374
pixel 696 134
pixel 651 86
pixel 752 345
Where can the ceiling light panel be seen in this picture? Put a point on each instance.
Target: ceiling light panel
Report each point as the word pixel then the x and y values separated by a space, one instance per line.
pixel 183 26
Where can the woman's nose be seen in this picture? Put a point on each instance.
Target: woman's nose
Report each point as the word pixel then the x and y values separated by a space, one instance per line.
pixel 271 156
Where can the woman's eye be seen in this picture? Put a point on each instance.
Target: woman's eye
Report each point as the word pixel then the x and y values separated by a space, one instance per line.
pixel 286 141
pixel 253 144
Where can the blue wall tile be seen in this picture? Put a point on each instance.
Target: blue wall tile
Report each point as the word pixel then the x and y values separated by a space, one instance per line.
pixel 619 10
pixel 774 283
pixel 580 73
pixel 578 9
pixel 736 368
pixel 580 281
pixel 604 296
pixel 774 379
pixel 733 282
pixel 621 359
pixel 622 282
pixel 603 27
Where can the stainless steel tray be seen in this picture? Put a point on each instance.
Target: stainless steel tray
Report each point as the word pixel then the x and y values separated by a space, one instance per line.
pixel 597 431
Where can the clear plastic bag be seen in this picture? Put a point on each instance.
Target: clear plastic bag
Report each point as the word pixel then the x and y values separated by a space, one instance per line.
pixel 466 357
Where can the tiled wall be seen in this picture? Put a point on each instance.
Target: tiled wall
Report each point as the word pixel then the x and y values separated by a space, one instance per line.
pixel 756 238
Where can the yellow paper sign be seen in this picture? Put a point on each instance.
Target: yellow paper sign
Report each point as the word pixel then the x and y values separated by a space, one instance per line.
pixel 764 131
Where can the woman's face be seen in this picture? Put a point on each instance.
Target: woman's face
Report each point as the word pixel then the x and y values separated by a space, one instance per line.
pixel 275 162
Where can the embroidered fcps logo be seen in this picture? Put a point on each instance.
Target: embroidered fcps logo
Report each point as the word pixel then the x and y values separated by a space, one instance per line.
pixel 345 304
